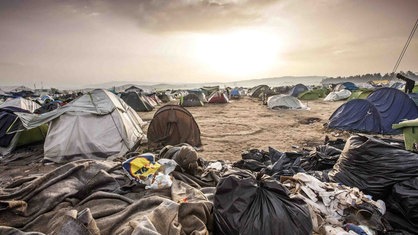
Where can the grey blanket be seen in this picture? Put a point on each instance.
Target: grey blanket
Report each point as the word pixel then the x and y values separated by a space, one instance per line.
pixel 90 197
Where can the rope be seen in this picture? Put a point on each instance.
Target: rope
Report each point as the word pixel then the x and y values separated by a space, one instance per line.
pixel 405 47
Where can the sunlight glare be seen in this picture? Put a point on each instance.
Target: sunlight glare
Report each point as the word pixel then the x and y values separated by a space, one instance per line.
pixel 239 53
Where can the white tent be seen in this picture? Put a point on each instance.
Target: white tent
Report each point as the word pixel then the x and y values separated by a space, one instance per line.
pixel 21 103
pixel 95 125
pixel 285 102
pixel 338 95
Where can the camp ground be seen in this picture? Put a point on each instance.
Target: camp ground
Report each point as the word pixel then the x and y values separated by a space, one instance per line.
pixel 269 163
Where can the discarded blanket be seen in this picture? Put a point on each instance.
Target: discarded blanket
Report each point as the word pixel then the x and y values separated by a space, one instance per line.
pixel 95 197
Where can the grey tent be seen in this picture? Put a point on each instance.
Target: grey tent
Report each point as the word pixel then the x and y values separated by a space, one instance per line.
pixel 190 100
pixel 284 102
pixel 137 101
pixel 298 89
pixel 258 90
pixel 95 125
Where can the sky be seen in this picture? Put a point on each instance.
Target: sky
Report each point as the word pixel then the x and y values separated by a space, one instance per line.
pixel 57 43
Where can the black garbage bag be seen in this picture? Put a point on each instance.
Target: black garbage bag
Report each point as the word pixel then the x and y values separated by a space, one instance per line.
pixel 244 204
pixel 255 154
pixel 284 163
pixel 338 143
pixel 323 158
pixel 249 164
pixel 374 165
pixel 402 206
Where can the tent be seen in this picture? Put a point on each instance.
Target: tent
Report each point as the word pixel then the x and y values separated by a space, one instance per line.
pixel 155 98
pixel 398 85
pixel 190 100
pixel 9 138
pixel 218 97
pixel 356 115
pixel 207 90
pixel 338 95
pixel 134 89
pixel 95 125
pixel 376 114
pixel 298 89
pixel 137 101
pixel 414 97
pixel 200 94
pixel 258 90
pixel 21 103
pixel 313 94
pixel 360 94
pixel 164 97
pixel 172 125
pixel 347 86
pixel 284 102
pixel 235 93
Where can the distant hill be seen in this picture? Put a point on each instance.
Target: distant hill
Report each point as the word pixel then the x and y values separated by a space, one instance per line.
pixel 274 81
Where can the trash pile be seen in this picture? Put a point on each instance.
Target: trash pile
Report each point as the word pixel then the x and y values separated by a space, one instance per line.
pixel 367 186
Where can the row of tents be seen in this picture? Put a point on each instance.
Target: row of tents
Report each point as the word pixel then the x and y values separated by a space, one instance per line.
pixel 365 111
pixel 341 91
pixel 96 125
pixel 197 99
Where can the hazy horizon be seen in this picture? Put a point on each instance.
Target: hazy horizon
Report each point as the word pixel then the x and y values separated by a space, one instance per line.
pixel 77 43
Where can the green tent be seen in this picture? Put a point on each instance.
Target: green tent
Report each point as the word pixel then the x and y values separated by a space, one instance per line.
pixel 313 94
pixel 360 94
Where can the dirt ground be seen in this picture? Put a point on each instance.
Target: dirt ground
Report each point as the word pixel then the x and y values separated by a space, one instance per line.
pixel 229 129
pixel 226 131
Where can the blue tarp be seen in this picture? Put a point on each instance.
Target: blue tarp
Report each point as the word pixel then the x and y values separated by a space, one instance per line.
pixel 376 114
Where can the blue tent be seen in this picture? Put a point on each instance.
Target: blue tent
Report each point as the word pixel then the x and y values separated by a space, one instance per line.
pixel 298 89
pixel 235 93
pixel 350 86
pixel 356 115
pixel 414 97
pixel 376 114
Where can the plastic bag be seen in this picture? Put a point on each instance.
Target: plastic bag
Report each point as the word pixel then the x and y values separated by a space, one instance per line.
pixel 141 168
pixel 402 206
pixel 246 205
pixel 374 165
pixel 160 181
pixel 323 158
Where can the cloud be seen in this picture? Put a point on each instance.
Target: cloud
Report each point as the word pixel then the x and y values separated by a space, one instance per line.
pixel 185 15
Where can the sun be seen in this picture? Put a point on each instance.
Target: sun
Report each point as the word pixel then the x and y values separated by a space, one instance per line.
pixel 238 53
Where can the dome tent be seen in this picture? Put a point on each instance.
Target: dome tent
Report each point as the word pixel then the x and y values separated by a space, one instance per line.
pixel 190 100
pixel 172 125
pixel 298 89
pixel 96 125
pixel 376 114
pixel 218 97
pixel 137 101
pixel 284 102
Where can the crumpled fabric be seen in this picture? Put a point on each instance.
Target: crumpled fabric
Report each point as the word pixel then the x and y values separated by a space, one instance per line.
pixel 90 197
pixel 191 168
pixel 332 204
